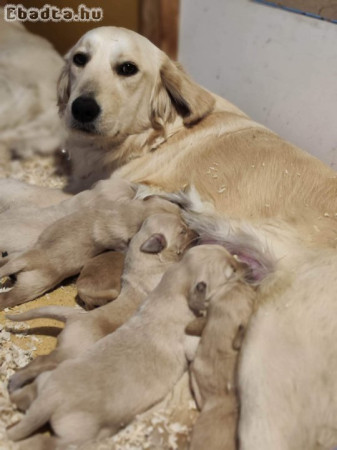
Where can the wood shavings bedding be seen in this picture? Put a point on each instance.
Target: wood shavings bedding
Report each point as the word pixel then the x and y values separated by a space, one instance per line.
pixel 41 171
pixel 11 358
pixel 166 427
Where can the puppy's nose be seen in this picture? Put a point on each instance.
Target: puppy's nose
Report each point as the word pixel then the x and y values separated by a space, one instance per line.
pixel 85 109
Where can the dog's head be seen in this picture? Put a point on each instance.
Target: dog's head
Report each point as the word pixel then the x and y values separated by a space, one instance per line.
pixel 116 83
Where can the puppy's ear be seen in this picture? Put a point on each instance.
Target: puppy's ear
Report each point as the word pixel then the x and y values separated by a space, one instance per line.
pixel 63 87
pixel 177 92
pixel 154 244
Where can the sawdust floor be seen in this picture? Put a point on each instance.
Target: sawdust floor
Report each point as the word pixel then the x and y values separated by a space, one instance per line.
pixel 166 427
pixel 40 171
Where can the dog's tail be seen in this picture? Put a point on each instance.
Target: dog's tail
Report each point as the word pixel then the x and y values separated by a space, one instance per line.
pixel 61 313
pixel 38 414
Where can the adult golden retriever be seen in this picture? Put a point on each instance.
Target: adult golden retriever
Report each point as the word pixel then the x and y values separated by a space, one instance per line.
pixel 130 110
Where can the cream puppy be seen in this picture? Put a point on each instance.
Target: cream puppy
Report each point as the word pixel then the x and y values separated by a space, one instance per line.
pixel 214 369
pixel 160 242
pixel 100 280
pixel 144 359
pixel 25 214
pixel 66 245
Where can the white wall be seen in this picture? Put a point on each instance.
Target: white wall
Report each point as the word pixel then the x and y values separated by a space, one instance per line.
pixel 279 67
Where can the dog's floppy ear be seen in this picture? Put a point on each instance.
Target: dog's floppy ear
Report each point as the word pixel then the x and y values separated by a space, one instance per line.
pixel 63 87
pixel 177 91
pixel 154 244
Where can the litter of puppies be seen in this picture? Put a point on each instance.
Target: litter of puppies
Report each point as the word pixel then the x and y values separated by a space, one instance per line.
pixel 148 353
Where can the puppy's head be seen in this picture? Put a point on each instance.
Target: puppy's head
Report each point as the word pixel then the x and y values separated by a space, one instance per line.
pixel 116 83
pixel 212 269
pixel 164 234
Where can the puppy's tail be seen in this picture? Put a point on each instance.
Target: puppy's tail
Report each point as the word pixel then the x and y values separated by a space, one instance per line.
pixel 38 414
pixel 61 313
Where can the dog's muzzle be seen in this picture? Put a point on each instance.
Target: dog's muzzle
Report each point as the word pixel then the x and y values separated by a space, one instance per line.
pixel 85 109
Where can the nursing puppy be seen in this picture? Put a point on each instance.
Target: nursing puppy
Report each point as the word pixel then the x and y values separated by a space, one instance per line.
pixel 25 214
pixel 144 359
pixel 66 245
pixel 100 280
pixel 154 122
pixel 214 369
pixel 160 242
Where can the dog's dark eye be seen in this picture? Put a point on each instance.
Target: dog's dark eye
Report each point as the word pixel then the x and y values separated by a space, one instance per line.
pixel 127 69
pixel 80 59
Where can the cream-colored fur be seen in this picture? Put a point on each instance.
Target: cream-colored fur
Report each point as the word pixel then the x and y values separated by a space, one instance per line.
pixel 65 246
pixel 26 211
pixel 144 358
pixel 100 280
pixel 229 307
pixel 287 372
pixel 159 243
pixel 29 68
pixel 160 128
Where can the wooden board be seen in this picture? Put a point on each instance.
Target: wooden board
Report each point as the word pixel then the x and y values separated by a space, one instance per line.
pixel 321 9
pixel 155 19
pixel 159 23
pixel 63 35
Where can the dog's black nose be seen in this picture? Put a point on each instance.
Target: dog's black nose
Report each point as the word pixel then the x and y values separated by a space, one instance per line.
pixel 85 109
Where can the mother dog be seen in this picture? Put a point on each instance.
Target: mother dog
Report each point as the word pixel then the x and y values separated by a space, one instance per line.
pixel 129 109
pixel 127 106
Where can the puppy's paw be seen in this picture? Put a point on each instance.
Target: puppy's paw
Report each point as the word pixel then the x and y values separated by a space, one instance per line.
pixel 90 300
pixel 20 293
pixel 196 327
pixel 8 300
pixel 28 286
pixel 24 397
pixel 19 380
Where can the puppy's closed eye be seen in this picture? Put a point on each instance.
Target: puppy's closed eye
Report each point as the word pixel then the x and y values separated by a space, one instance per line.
pixel 155 244
pixel 201 287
